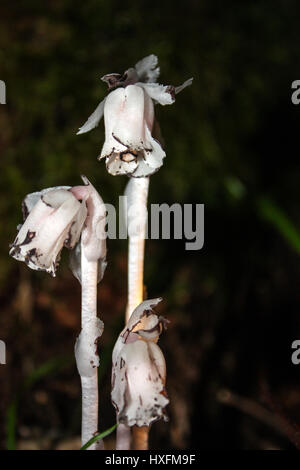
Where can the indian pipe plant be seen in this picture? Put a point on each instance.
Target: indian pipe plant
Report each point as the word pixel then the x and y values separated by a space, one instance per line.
pixel 75 218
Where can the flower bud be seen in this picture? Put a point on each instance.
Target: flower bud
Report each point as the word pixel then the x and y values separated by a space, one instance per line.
pixel 139 369
pixel 53 218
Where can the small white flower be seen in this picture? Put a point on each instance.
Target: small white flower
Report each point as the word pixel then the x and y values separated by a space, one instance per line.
pixel 57 217
pixel 54 218
pixel 129 147
pixel 128 110
pixel 139 369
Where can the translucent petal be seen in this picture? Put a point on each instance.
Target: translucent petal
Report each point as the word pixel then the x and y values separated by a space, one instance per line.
pixel 93 120
pixel 54 221
pixel 75 264
pixel 115 166
pixel 162 94
pixel 145 309
pixel 147 69
pixel 129 126
pixel 138 391
pixel 32 198
pixel 179 88
pixel 94 233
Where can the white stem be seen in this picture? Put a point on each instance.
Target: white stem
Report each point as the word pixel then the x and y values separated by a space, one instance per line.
pixel 86 267
pixel 136 247
pixel 89 426
pixel 137 195
pixel 123 437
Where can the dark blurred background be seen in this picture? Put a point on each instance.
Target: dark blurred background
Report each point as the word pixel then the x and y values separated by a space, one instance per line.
pixel 232 143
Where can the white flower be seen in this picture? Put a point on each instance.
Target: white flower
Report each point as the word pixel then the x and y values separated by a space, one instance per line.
pixel 129 146
pixel 54 218
pixel 139 369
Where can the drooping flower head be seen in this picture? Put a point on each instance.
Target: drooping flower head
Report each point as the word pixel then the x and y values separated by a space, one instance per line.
pixel 54 218
pixel 128 110
pixel 139 369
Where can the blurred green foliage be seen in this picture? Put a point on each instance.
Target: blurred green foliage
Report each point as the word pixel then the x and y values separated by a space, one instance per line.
pixel 281 222
pixel 96 438
pixel 52 366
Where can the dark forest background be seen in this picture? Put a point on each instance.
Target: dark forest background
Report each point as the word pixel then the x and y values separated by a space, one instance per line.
pixel 232 143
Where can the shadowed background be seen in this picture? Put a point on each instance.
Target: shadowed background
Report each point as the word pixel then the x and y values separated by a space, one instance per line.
pixel 232 143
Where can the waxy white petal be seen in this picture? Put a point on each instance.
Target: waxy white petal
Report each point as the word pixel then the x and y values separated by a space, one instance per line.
pixel 94 234
pixel 129 147
pixel 139 369
pixel 31 199
pixel 162 94
pixel 179 88
pixel 116 166
pixel 152 161
pixel 93 120
pixel 54 221
pixel 75 264
pixel 147 69
pixel 144 310
pixel 138 386
pixel 124 121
